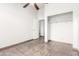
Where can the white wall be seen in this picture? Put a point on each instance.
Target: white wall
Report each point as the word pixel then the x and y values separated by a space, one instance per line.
pixel 41 13
pixel 61 28
pixel 17 24
pixel 35 26
pixel 58 8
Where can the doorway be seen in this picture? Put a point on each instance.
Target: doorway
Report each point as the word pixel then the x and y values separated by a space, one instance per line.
pixel 41 28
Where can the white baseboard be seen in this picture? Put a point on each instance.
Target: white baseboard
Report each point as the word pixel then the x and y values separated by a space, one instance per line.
pixel 62 41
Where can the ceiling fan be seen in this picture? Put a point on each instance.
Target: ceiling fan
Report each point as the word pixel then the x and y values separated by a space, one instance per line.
pixel 35 5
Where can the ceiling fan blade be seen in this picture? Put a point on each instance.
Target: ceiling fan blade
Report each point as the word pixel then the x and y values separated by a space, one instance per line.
pixel 26 5
pixel 37 8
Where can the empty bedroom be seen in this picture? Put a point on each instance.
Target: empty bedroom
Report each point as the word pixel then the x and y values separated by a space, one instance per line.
pixel 39 29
